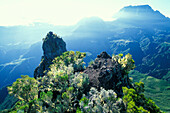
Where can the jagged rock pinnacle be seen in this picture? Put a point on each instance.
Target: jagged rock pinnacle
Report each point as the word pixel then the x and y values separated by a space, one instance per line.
pixel 106 72
pixel 104 55
pixel 53 46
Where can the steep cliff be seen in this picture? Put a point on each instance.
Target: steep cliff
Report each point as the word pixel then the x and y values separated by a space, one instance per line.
pixel 53 46
pixel 63 84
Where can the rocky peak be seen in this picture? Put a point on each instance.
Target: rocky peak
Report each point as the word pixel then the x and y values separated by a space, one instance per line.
pixel 53 46
pixel 139 12
pixel 106 72
pixel 139 8
pixel 104 55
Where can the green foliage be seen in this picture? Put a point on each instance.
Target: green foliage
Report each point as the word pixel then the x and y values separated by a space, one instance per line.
pixel 121 55
pixel 156 89
pixel 91 62
pixel 136 101
pixel 129 96
pixel 24 88
pixel 59 88
pixel 127 62
pixel 80 81
pixel 85 101
pixel 46 96
pixel 64 79
pixel 139 87
pixel 63 88
pixel 103 101
pixel 70 58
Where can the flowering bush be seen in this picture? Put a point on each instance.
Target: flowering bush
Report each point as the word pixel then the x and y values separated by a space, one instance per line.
pixel 65 88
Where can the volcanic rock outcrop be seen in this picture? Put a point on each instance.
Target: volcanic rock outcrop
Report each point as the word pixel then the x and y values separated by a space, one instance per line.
pixel 53 46
pixel 106 72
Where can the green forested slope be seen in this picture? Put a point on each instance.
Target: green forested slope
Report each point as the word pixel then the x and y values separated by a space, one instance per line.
pixel 156 89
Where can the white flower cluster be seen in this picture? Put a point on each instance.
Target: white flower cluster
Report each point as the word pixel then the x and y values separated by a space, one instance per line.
pixel 127 63
pixel 103 101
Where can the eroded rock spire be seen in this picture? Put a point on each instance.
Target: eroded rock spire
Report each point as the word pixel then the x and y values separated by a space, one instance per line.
pixel 53 46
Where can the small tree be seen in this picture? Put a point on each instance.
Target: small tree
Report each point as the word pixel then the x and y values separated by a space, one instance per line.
pixel 24 88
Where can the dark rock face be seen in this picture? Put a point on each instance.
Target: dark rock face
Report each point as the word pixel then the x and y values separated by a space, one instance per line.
pixel 107 73
pixel 104 55
pixel 53 46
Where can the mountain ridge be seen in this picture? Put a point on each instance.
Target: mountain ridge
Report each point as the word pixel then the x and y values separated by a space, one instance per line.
pixel 113 39
pixel 140 11
pixel 67 86
pixel 149 46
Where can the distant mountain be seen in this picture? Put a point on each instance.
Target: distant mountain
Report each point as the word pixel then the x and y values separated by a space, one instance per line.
pixel 87 28
pixel 140 12
pixel 63 84
pixel 146 34
pixel 23 36
pixel 135 31
pixel 20 49
pixel 138 30
pixel 142 15
pixel 24 65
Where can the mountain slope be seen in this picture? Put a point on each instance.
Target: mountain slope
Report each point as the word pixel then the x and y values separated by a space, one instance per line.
pixel 145 38
pixel 147 43
pixel 142 13
pixel 156 89
pixel 23 65
pixel 67 86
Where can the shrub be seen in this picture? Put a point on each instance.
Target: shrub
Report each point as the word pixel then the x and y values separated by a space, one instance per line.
pixel 64 88
pixel 136 102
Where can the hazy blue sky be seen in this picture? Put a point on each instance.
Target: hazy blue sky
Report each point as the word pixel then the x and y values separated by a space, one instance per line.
pixel 67 12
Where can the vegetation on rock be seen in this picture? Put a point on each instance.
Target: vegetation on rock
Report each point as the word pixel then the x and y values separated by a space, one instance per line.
pixel 65 88
pixel 53 46
pixel 136 101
